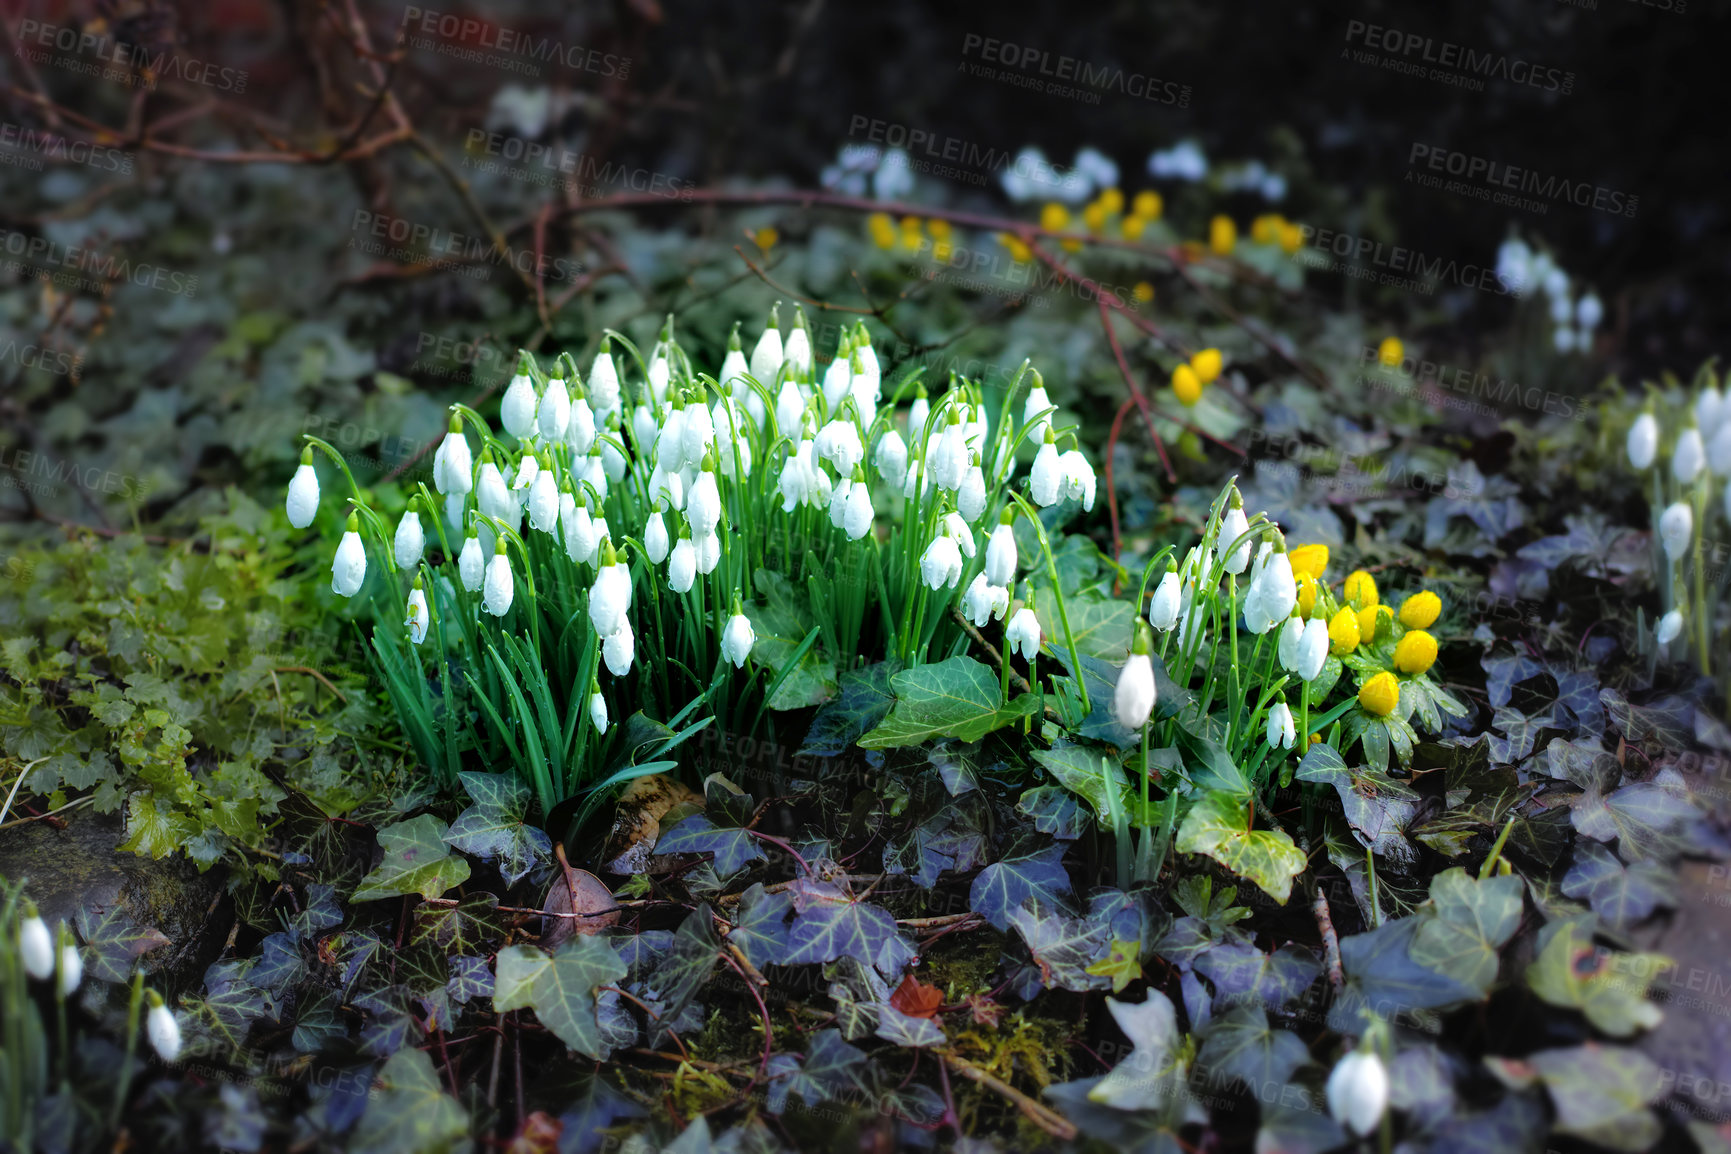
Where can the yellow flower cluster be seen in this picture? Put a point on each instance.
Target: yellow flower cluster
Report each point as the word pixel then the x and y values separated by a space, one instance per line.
pixel 1272 228
pixel 1201 369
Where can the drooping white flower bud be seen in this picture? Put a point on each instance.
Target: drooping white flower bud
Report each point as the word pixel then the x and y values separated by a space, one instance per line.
pixel 1719 451
pixel 1035 419
pixel 1358 1092
pixel 789 407
pixel 580 426
pixel 553 418
pixel 1001 551
pixel 645 430
pixel 836 378
pixel 655 542
pixel 1234 524
pixel 71 969
pixel 1688 457
pixel 35 946
pixel 1643 440
pixel 493 497
pixel 984 600
pixel 703 505
pixel 471 564
pixel 1676 524
pixel 959 529
pixel 453 467
pixel 708 553
pixel 766 355
pixel 796 354
pixel 891 457
pixel 682 565
pixel 1273 594
pixel 1589 311
pixel 698 433
pixel 838 443
pixel 1709 410
pixel 604 381
pixel 1047 476
pixel 1291 643
pixel 949 463
pixel 1281 733
pixel 1313 649
pixel 349 567
pixel 610 595
pixel 738 638
pixel 918 412
pixel 941 564
pixel 1078 478
pixel 857 519
pixel 1023 633
pixel 1133 700
pixel 418 618
pixel 1670 627
pixel 838 502
pixel 544 502
pixel 411 542
pixel 303 492
pixel 162 1029
pixel 971 497
pixel 517 410
pixel 527 470
pixel 499 587
pixel 597 710
pixel 619 649
pixel 1163 610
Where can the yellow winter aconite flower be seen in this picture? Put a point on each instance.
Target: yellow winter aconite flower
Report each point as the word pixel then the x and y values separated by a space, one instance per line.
pixel 1306 594
pixel 1143 291
pixel 1291 238
pixel 1421 610
pixel 1415 653
pixel 1147 204
pixel 766 238
pixel 1309 559
pixel 1112 200
pixel 1265 229
pixel 1186 385
pixel 1054 216
pixel 1207 364
pixel 940 229
pixel 1094 216
pixel 1343 633
pixel 942 251
pixel 1390 351
pixel 882 228
pixel 1222 236
pixel 1380 695
pixel 1133 227
pixel 1018 248
pixel 1367 624
pixel 1360 588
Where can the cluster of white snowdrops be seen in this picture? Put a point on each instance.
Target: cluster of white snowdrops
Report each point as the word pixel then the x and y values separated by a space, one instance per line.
pixel 645 478
pixel 46 960
pixel 1684 489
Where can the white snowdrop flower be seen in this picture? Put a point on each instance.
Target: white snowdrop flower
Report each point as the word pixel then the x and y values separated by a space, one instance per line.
pixel 1589 311
pixel 303 492
pixel 793 478
pixel 1514 265
pixel 1291 643
pixel 619 649
pixel 492 496
pixel 738 638
pixel 1078 478
pixel 866 387
pixel 35 946
pixel 708 553
pixel 1556 283
pixel 1046 478
pixel 838 502
pixel 916 481
pixel 975 428
pixel 703 506
pixel 1676 525
pixel 1232 526
pixel 527 470
pixel 598 710
pixel 1719 450
pixel 544 502
pixel 471 564
pixel 604 381
pixel 655 542
pixel 941 564
pixel 1358 1092
pixel 418 618
pixel 1001 552
pixel 949 462
pixel 1313 649
pixel 682 565
pixel 731 447
pixel 789 407
pixel 349 567
pixel 918 413
pixel 766 356
pixel 580 427
pixel 452 464
pixel 1643 442
pixel 698 434
pixel 857 520
pixel 1281 733
pixel 667 487
pixel 410 541
pixel 1565 340
pixel 891 457
pixel 578 529
pixel 733 365
pixel 961 531
pixel 1183 161
pixel 499 587
pixel 796 354
pixel 984 600
pixel 162 1029
pixel 971 497
pixel 817 493
pixel 670 439
pixel 1728 500
pixel 517 410
pixel 592 471
pixel 644 430
pixel 601 531
pixel 554 415
pixel 838 443
pixel 1034 416
pixel 659 373
pixel 71 970
pixel 610 594
pixel 1670 627
pixel 1273 594
pixel 837 378
pixel 1133 700
pixel 1710 410
pixel 1023 633
pixel 1562 310
pixel 1163 610
pixel 1688 457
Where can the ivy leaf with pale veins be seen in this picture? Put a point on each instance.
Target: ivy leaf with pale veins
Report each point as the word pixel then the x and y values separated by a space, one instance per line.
pixel 1067 949
pixel 113 942
pixel 1028 869
pixel 829 924
pixel 734 848
pixel 417 861
pixel 1054 811
pixel 1644 818
pixel 677 978
pixel 1241 973
pixel 1467 922
pixel 1241 1044
pixel 560 988
pixel 958 698
pixel 760 930
pixel 1218 826
pixel 1381 973
pixel 864 700
pixel 1622 895
pixel 408 1112
pixel 494 827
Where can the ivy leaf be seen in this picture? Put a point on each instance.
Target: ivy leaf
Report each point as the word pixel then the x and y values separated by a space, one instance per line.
pixel 1383 980
pixel 1668 721
pixel 1054 811
pixel 1377 807
pixel 1101 626
pixel 407 1112
pixel 865 697
pixel 1088 774
pixel 951 839
pixel 1218 826
pixel 760 931
pixel 1240 1044
pixel 560 988
pixel 907 1030
pixel 831 1068
pixel 459 929
pixel 1122 964
pixel 1469 920
pixel 471 978
pixel 494 827
pixel 958 698
pixel 1601 1093
pixel 781 621
pixel 1622 895
pixel 1643 818
pixel 734 848
pixel 830 924
pixel 1028 869
pixel 1609 988
pixel 678 977
pixel 417 861
pixel 113 942
pixel 1241 973
pixel 1066 949
pixel 1153 1072
pixel 321 912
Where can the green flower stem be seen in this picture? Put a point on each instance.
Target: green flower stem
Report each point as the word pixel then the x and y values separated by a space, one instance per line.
pixel 134 1004
pixel 331 452
pixel 1076 669
pixel 1701 619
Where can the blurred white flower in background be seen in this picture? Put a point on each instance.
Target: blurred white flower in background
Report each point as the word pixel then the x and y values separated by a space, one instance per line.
pixel 1183 161
pixel 862 169
pixel 1032 177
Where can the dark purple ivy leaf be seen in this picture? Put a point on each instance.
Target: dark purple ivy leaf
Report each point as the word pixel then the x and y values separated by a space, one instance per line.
pixel 733 848
pixel 1028 869
pixel 829 924
pixel 760 931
